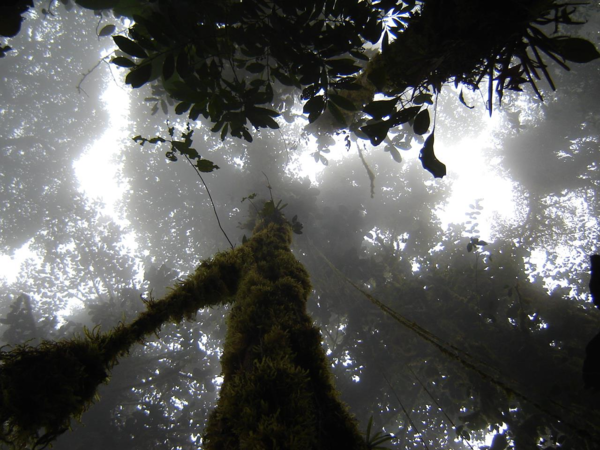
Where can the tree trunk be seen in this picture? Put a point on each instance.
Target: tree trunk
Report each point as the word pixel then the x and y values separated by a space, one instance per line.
pixel 277 390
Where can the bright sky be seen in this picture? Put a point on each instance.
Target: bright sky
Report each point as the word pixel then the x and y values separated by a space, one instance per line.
pixel 96 169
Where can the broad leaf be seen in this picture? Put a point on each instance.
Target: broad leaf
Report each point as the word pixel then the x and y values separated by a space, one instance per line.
pixel 377 132
pixel 139 76
pixel 381 108
pixel 422 122
pixel 314 108
pixel 204 165
pixel 130 47
pixel 122 62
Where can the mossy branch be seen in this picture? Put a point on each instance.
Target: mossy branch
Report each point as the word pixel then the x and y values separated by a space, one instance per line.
pixel 42 388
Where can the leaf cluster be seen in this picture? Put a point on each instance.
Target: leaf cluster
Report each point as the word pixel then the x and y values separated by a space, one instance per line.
pixel 223 61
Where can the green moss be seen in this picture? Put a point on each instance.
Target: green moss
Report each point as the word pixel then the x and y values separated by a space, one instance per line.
pixel 277 391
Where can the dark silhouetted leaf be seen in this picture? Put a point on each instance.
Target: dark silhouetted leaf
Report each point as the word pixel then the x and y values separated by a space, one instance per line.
pixel 377 132
pixel 576 49
pixel 204 165
pixel 403 116
pixel 343 66
pixel 182 107
pixel 130 47
pixel 139 76
pixel 422 122
pixel 381 108
pixel 423 98
pixel 314 108
pixel 429 161
pixel 122 62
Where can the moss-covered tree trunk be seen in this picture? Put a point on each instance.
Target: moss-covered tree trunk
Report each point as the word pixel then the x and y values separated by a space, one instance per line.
pixel 277 391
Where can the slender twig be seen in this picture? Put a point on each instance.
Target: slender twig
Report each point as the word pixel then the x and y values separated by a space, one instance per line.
pixel 211 201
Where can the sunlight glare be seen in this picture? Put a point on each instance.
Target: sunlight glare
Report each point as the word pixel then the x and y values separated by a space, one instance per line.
pixel 96 168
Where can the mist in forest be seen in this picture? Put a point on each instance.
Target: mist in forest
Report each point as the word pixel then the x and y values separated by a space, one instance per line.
pixel 485 270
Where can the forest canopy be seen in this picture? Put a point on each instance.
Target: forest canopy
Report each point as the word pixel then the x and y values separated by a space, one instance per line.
pixel 436 335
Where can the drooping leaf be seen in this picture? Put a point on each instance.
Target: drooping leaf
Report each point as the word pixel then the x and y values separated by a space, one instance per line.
pixel 422 122
pixel 130 47
pixel 576 49
pixel 429 161
pixel 107 30
pixel 139 76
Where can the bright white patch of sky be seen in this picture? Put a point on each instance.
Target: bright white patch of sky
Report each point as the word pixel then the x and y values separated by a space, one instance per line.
pixel 96 169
